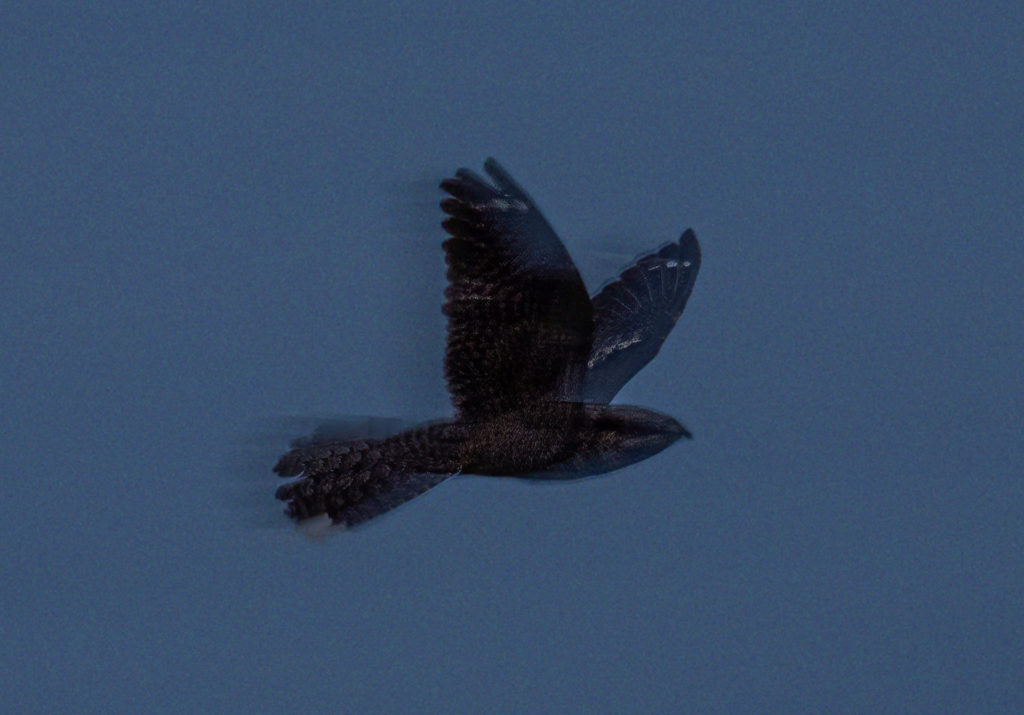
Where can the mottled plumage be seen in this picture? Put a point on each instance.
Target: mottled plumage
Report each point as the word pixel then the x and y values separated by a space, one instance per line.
pixel 531 363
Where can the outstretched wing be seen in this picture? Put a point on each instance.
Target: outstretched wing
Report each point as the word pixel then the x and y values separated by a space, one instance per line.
pixel 520 322
pixel 634 313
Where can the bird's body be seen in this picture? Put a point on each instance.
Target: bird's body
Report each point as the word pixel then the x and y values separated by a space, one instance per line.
pixel 531 362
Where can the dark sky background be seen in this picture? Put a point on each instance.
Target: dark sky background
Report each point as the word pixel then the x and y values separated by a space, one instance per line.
pixel 220 218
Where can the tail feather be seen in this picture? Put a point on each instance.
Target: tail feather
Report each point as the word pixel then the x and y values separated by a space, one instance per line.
pixel 385 497
pixel 355 481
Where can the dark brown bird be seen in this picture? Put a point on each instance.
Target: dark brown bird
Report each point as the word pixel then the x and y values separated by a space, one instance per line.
pixel 531 363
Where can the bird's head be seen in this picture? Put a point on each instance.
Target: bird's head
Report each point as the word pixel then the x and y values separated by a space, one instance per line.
pixel 624 434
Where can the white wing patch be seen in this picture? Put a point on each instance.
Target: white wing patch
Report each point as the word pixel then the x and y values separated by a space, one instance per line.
pixel 503 205
pixel 609 349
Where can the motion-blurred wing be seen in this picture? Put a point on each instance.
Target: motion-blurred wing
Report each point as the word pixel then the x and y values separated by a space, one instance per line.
pixel 520 321
pixel 634 313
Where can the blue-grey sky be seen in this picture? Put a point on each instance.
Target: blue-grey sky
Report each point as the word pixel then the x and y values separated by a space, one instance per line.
pixel 219 217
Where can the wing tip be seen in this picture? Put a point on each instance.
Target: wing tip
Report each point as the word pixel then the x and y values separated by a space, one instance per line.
pixel 689 245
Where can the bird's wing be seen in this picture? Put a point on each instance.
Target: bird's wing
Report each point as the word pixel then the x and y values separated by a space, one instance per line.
pixel 520 322
pixel 634 313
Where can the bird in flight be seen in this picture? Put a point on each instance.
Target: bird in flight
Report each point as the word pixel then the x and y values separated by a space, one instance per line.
pixel 532 363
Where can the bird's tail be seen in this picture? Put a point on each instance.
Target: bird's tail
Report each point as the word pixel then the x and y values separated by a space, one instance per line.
pixel 353 481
